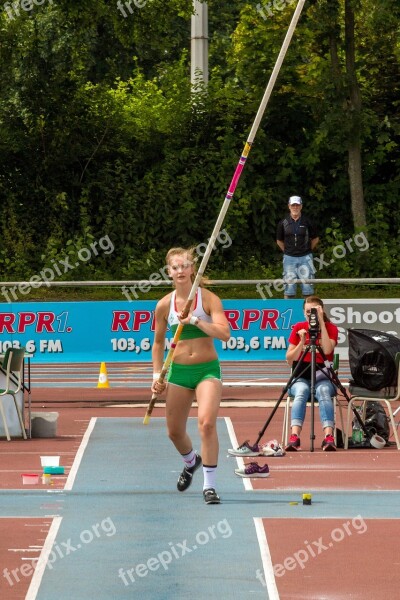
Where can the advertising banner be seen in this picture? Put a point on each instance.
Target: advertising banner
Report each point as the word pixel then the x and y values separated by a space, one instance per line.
pixel 120 331
pixel 380 315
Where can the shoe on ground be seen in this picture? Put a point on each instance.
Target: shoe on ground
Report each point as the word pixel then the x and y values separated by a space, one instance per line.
pixel 245 450
pixel 272 448
pixel 211 496
pixel 329 444
pixel 185 478
pixel 294 443
pixel 253 470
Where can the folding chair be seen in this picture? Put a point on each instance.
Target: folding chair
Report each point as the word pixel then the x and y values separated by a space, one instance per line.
pixel 336 405
pixel 388 396
pixel 13 366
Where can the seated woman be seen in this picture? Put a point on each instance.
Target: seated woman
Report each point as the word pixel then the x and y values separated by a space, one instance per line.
pixel 299 339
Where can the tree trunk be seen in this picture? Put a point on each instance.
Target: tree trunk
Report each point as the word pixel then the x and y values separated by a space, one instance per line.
pixel 354 114
pixel 356 185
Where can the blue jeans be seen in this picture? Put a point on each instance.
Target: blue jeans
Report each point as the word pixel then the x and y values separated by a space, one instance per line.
pixel 300 391
pixel 298 267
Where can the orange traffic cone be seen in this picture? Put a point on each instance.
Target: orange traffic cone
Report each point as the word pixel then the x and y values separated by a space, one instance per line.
pixel 103 380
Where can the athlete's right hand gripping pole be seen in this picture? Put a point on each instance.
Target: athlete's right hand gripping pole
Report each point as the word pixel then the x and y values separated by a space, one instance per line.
pixel 167 362
pixel 228 197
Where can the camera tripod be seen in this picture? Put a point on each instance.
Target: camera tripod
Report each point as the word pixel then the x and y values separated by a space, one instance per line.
pixel 375 440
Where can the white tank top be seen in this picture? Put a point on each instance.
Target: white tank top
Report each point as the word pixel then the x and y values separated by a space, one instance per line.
pixel 198 311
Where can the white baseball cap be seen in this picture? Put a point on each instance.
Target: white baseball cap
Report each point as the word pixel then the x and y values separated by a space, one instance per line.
pixel 295 200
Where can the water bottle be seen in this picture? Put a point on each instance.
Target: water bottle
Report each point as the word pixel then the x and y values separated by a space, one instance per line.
pixel 357 433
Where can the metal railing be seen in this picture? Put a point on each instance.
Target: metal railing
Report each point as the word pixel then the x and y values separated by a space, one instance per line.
pixel 214 282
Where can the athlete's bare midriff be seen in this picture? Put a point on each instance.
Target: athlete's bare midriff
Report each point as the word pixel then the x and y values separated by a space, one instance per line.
pixel 192 352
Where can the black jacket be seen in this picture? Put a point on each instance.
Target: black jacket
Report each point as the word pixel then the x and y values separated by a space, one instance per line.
pixel 296 235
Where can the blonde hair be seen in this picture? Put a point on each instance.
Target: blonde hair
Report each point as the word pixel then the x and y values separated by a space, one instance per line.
pixel 191 256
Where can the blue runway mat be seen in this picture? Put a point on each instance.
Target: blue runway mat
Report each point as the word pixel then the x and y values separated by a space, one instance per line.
pixel 126 532
pixel 135 535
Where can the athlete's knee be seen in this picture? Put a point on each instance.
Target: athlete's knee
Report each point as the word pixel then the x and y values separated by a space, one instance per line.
pixel 207 428
pixel 175 434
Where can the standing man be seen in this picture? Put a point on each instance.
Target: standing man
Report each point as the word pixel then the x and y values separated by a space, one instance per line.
pixel 297 237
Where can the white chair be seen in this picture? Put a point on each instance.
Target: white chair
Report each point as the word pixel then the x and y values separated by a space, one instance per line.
pixel 387 396
pixel 336 405
pixel 13 366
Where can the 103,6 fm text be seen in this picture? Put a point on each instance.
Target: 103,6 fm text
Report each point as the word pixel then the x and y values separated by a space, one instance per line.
pixel 130 345
pixel 255 343
pixel 32 346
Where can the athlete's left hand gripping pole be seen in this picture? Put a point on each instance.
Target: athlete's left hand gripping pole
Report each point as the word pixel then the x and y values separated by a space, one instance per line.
pixel 228 198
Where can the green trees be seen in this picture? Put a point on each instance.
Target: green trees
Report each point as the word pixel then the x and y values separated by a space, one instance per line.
pixel 99 134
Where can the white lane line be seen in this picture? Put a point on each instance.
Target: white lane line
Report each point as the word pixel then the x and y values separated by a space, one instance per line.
pixel 231 432
pixel 270 582
pixel 79 455
pixel 24 549
pixel 43 558
pixel 239 460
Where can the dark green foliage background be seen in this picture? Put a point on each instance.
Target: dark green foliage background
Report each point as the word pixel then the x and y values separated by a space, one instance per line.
pixel 100 135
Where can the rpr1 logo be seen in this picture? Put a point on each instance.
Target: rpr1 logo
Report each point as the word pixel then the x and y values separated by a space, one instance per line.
pixel 39 322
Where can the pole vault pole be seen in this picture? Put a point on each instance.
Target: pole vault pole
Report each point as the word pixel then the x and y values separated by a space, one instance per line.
pixel 228 197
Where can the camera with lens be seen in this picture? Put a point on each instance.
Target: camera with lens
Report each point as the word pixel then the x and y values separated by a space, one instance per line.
pixel 313 323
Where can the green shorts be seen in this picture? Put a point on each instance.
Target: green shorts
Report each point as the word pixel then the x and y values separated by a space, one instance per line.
pixel 189 376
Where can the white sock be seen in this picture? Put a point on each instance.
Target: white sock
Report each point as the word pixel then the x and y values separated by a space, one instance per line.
pixel 210 476
pixel 189 458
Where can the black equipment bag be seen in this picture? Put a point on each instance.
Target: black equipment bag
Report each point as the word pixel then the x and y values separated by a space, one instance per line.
pixel 376 420
pixel 372 358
